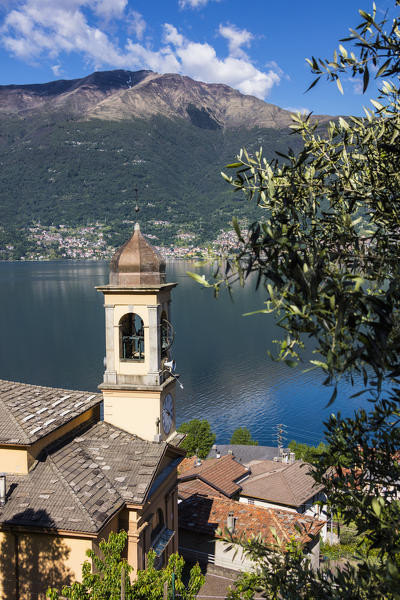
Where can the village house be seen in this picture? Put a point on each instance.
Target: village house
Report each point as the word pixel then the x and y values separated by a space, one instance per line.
pixel 69 477
pixel 204 521
pixel 276 480
pixel 212 499
pixel 214 477
pixel 291 487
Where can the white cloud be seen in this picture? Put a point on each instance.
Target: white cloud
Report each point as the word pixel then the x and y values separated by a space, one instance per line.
pixel 200 61
pixel 56 70
pixel 110 9
pixel 236 39
pixel 193 3
pixel 171 35
pixel 50 29
pixel 137 24
pixel 298 109
pixel 357 85
pixel 139 57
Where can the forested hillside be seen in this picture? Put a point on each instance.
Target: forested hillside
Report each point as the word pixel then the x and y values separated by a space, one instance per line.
pixel 62 165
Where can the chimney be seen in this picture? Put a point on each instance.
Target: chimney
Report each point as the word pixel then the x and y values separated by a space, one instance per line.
pixel 292 457
pixel 217 453
pixel 230 522
pixel 3 488
pixel 197 462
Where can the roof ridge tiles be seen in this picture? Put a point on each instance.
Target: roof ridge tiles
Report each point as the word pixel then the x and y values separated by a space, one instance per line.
pixel 24 436
pixel 59 473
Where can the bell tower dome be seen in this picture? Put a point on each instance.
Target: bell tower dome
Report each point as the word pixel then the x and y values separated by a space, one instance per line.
pixel 137 263
pixel 138 389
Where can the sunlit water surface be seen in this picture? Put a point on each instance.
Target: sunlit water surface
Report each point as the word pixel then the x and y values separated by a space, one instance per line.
pixel 52 333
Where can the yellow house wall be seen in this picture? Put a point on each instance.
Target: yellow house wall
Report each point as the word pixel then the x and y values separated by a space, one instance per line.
pixel 46 560
pixel 14 460
pixel 164 498
pixel 43 561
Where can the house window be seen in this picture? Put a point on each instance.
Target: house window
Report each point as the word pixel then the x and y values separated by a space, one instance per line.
pixel 131 337
pixel 250 500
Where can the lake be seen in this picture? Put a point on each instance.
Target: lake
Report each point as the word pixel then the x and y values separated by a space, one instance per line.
pixel 52 333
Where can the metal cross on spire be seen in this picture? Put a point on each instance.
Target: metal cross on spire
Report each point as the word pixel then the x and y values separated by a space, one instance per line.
pixel 137 205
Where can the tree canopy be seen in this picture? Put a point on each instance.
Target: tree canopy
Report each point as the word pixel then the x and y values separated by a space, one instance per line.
pixel 199 437
pixel 242 435
pixel 326 253
pixel 110 570
pixel 306 452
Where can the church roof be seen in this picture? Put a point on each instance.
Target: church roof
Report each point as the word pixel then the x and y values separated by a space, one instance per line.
pixel 83 479
pixel 137 263
pixel 30 412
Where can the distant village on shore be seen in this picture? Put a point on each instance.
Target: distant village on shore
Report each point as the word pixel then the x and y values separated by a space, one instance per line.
pixel 89 243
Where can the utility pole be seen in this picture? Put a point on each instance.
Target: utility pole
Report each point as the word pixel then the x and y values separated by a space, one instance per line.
pixel 123 583
pixel 281 430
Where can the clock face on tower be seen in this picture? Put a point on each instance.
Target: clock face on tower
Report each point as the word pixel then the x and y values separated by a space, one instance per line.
pixel 167 413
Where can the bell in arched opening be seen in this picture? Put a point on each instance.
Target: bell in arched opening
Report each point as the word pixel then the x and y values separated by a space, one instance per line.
pixel 131 336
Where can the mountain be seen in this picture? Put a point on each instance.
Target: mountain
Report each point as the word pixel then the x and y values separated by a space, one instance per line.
pixel 72 152
pixel 120 95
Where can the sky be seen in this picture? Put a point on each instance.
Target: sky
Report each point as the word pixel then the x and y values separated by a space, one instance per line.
pixel 256 46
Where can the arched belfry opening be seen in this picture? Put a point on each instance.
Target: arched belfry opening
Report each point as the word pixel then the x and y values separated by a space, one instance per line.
pixel 166 335
pixel 131 338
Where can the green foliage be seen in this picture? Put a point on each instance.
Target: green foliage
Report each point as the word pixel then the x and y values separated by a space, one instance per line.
pixel 326 253
pixel 104 583
pixel 199 437
pixel 307 453
pixel 242 435
pixel 75 172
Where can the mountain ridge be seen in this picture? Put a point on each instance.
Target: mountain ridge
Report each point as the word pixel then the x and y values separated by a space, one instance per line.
pixel 120 95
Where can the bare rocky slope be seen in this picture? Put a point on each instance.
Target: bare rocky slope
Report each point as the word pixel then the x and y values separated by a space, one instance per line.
pixel 120 95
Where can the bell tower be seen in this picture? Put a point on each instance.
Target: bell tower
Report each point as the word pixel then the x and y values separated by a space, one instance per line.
pixel 138 387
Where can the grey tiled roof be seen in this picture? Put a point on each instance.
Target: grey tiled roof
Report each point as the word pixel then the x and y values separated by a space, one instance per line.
pixel 290 484
pixel 245 453
pixel 29 412
pixel 83 480
pixel 177 439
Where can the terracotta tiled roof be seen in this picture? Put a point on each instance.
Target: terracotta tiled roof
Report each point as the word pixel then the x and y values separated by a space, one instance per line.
pixel 197 487
pixel 219 473
pixel 207 515
pixel 29 412
pixel 187 464
pixel 290 484
pixel 80 482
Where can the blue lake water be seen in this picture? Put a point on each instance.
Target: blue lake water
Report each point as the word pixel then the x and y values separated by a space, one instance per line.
pixel 52 333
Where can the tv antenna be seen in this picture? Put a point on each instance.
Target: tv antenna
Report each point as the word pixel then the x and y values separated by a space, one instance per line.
pixel 281 430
